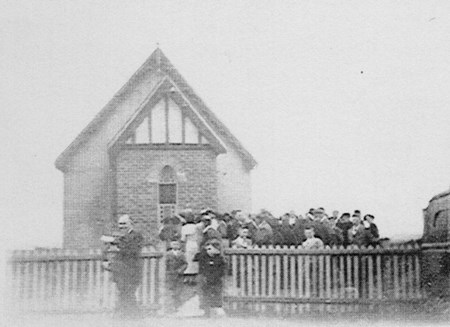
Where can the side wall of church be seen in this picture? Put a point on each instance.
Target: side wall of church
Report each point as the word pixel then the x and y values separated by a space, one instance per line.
pixel 88 178
pixel 234 183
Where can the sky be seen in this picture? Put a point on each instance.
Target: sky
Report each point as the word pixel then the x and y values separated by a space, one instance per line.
pixel 344 104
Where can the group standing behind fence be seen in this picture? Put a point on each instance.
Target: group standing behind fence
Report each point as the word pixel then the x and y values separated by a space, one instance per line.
pixel 195 242
pixel 244 231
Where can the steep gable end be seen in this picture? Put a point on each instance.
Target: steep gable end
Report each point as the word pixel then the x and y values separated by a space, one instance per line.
pixel 167 119
pixel 196 117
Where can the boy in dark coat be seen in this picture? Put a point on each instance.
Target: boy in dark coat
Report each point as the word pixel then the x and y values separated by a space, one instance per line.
pixel 175 266
pixel 212 269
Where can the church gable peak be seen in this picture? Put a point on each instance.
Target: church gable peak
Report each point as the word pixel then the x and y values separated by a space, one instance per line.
pixel 165 82
pixel 166 122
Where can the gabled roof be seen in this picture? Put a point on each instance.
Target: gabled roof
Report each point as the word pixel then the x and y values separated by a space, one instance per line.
pixel 167 86
pixel 158 63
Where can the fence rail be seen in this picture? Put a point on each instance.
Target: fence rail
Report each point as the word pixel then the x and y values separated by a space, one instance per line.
pixel 65 280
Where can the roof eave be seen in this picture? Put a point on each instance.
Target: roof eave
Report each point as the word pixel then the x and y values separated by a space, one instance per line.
pixel 64 157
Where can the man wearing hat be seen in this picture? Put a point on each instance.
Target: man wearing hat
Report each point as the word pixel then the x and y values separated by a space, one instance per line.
pixel 210 227
pixel 320 229
pixel 171 229
pixel 126 267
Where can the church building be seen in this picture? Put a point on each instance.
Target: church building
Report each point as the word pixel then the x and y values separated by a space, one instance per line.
pixel 153 150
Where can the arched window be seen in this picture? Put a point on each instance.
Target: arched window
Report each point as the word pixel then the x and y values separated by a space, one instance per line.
pixel 167 186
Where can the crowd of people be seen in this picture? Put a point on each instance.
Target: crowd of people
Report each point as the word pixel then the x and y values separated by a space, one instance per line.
pixel 195 248
pixel 195 242
pixel 315 229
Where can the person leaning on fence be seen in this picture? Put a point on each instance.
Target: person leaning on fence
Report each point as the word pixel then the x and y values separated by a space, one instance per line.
pixel 264 233
pixel 336 234
pixel 171 229
pixel 373 229
pixel 246 222
pixel 359 234
pixel 345 225
pixel 126 267
pixel 312 242
pixel 233 226
pixel 242 241
pixel 320 230
pixel 175 266
pixel 290 230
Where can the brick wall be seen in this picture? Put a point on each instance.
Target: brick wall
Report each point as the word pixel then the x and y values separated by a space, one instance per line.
pixel 137 176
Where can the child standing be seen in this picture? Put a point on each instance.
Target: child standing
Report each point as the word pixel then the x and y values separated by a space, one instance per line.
pixel 175 267
pixel 212 269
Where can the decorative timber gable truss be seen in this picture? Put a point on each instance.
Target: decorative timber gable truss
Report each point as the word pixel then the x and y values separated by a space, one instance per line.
pixel 167 86
pixel 168 100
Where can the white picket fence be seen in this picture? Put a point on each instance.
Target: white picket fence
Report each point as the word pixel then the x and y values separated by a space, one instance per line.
pixel 338 276
pixel 65 280
pixel 294 278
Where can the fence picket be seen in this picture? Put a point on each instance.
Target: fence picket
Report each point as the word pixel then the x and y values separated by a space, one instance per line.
pixel 257 275
pixel 314 275
pixel 98 282
pixel 292 276
pixel 396 283
pixel 417 276
pixel 263 279
pixel 249 275
pixel 300 276
pixel 90 280
pixel 35 285
pixel 328 276
pixel 285 275
pixel 144 286
pixel 242 275
pixel 362 288
pixel 307 277
pixel 370 273
pixel 403 277
pixel 42 286
pixel 270 277
pixel 349 276
pixel 153 268
pixel 74 279
pixel 410 272
pixel 321 276
pixel 234 272
pixel 335 278
pixel 379 277
pixel 342 277
pixel 278 276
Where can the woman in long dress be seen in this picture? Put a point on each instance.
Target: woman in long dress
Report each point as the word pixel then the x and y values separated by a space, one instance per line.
pixel 189 237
